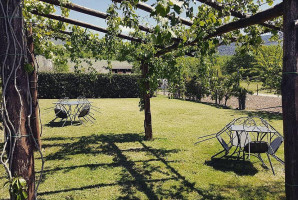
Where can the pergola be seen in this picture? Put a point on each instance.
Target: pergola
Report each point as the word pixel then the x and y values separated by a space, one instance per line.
pixel 22 162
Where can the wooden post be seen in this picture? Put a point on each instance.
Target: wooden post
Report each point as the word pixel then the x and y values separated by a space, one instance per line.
pixel 15 94
pixel 290 97
pixel 146 96
pixel 34 121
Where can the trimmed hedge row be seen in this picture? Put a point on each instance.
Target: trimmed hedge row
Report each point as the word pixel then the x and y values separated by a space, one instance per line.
pixel 59 85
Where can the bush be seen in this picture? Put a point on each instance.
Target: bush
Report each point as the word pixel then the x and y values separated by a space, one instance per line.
pixel 195 89
pixel 59 85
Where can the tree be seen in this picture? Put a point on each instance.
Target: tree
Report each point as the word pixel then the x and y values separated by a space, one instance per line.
pixel 268 66
pixel 243 61
pixel 17 104
pixel 289 97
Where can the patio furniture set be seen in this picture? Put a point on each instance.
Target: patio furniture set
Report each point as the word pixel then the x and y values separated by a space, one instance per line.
pixel 245 137
pixel 70 110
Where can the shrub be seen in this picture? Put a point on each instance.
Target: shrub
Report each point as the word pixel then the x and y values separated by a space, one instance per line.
pixel 59 85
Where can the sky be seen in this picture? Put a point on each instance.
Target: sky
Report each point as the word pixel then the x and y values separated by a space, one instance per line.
pixel 102 5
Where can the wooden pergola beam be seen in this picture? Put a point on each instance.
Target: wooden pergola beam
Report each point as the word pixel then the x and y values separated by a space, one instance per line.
pixel 85 25
pixel 150 9
pixel 237 14
pixel 260 17
pixel 88 11
pixel 94 13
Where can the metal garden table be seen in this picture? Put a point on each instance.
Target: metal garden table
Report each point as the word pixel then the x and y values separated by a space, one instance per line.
pixel 72 108
pixel 236 137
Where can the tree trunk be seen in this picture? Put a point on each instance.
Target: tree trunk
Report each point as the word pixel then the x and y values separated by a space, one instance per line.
pixel 146 96
pixel 34 121
pixel 290 98
pixel 15 88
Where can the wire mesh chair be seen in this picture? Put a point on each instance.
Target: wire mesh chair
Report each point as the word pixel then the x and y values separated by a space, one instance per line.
pixel 48 110
pixel 249 135
pixel 84 110
pixel 62 113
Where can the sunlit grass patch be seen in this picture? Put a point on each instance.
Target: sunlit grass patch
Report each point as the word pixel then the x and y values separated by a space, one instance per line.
pixel 110 160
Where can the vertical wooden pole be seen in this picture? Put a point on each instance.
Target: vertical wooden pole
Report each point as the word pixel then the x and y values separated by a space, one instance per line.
pixel 34 121
pixel 290 97
pixel 146 96
pixel 15 94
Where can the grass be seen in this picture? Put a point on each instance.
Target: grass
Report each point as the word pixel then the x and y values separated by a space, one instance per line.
pixel 256 86
pixel 110 159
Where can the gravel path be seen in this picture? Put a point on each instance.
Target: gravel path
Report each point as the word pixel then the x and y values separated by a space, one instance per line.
pixel 269 103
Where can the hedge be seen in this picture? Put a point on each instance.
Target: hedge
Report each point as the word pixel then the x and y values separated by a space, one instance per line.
pixel 59 85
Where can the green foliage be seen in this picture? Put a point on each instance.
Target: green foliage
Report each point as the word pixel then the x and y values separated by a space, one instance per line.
pixel 18 188
pixel 196 89
pixel 28 67
pixel 242 62
pixel 268 64
pixel 72 85
pixel 81 44
pixel 210 83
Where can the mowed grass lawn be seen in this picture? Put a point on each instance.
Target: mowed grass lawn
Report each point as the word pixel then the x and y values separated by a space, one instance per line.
pixel 110 160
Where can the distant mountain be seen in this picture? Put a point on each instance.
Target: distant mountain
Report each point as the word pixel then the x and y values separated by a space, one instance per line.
pixel 230 49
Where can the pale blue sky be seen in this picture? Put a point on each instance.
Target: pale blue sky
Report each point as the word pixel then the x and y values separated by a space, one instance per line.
pixel 102 5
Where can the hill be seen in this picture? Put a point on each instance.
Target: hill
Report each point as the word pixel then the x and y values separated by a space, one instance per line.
pixel 230 49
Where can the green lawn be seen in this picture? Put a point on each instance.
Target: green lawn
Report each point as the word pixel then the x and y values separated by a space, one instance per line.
pixel 110 160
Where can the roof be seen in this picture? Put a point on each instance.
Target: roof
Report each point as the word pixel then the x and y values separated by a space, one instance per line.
pixel 100 66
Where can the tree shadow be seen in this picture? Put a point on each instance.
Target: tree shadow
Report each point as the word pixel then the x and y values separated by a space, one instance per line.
pixel 130 170
pixel 58 138
pixel 209 104
pixel 264 114
pixel 250 192
pixel 81 146
pixel 269 115
pixel 136 175
pixel 239 167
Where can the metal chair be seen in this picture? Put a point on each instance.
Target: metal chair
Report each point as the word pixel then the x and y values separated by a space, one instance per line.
pixel 225 145
pixel 85 114
pixel 274 146
pixel 252 135
pixel 62 113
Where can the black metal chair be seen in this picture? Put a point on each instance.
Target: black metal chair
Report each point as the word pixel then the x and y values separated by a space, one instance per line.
pixel 61 112
pixel 225 145
pixel 274 146
pixel 85 113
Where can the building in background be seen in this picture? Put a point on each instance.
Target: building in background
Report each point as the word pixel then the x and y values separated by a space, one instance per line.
pixel 46 65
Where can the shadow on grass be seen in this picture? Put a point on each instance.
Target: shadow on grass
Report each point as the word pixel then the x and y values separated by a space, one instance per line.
pixel 136 175
pixel 53 124
pixel 269 115
pixel 208 103
pixel 264 114
pixel 251 192
pixel 240 167
pixel 59 138
pixel 80 145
